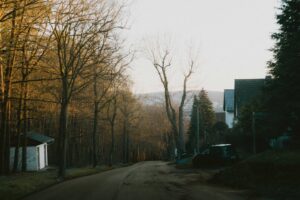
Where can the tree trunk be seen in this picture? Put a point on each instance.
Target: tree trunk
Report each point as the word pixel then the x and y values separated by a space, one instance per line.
pixel 63 130
pixel 3 135
pixel 8 135
pixel 19 122
pixel 4 129
pixel 25 127
pixel 127 145
pixel 124 142
pixel 112 144
pixel 95 127
pixel 181 131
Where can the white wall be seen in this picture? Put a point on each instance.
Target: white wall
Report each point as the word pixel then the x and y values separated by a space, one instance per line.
pixel 229 117
pixel 45 155
pixel 32 160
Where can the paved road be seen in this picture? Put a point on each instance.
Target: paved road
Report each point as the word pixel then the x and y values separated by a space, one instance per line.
pixel 154 180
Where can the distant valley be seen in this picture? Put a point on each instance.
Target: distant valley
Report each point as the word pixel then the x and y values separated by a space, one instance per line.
pixel 216 98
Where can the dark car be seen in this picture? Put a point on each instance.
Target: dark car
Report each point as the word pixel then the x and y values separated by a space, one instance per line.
pixel 216 155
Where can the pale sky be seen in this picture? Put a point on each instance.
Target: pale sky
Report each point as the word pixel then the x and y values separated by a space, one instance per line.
pixel 232 38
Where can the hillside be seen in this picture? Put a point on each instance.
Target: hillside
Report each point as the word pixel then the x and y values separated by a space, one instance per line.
pixel 158 98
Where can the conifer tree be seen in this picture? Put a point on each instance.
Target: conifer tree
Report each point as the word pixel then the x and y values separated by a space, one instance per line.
pixel 191 144
pixel 283 90
pixel 206 120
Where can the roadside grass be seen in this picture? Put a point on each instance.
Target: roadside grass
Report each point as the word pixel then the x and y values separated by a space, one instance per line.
pixel 18 185
pixel 22 184
pixel 275 174
pixel 79 172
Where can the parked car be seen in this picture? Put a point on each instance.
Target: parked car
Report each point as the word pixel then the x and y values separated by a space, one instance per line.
pixel 184 159
pixel 216 155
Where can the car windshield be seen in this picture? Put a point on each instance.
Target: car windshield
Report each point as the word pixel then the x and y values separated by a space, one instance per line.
pixel 229 151
pixel 216 151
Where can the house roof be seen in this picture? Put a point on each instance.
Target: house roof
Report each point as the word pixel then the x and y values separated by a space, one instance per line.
pixel 228 104
pixel 246 90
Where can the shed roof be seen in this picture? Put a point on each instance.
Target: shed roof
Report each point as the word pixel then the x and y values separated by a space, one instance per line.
pixel 33 139
pixel 39 137
pixel 228 104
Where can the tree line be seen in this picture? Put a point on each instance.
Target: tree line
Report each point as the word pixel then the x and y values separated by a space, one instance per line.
pixel 63 73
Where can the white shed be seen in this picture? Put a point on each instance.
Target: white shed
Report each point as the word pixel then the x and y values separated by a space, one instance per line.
pixel 37 152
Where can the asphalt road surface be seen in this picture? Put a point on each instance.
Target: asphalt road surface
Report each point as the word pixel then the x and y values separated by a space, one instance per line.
pixel 154 180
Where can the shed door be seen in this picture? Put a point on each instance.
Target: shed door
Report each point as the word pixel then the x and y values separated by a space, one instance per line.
pixel 45 155
pixel 38 158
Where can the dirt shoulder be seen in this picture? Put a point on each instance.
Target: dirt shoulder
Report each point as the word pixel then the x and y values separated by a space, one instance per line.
pixel 197 185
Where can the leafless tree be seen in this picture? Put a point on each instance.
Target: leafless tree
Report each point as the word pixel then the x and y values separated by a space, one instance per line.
pixel 111 70
pixel 129 108
pixel 111 118
pixel 33 43
pixel 15 21
pixel 78 27
pixel 162 60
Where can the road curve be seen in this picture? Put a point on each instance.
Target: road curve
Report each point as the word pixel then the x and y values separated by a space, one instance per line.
pixel 153 180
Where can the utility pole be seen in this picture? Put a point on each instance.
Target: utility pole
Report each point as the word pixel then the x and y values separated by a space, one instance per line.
pixel 197 129
pixel 254 132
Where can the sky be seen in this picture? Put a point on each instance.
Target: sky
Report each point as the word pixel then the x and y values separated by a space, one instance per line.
pixel 231 38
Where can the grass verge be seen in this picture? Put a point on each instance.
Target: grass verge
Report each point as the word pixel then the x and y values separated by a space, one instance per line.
pixel 22 184
pixel 275 174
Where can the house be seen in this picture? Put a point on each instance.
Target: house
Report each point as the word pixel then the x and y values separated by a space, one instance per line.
pixel 245 92
pixel 228 107
pixel 220 116
pixel 37 151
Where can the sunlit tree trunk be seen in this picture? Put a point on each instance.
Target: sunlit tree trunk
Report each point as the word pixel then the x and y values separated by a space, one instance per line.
pixel 4 129
pixel 25 129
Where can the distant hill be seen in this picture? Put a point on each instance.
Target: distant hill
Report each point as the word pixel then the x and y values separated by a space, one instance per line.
pixel 216 98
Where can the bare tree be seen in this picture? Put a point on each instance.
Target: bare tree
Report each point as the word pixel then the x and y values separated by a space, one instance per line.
pixel 111 117
pixel 6 74
pixel 161 60
pixel 8 8
pixel 111 68
pixel 16 25
pixel 129 108
pixel 33 44
pixel 77 29
pixel 102 84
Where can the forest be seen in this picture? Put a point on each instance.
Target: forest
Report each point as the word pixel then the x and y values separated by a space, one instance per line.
pixel 64 74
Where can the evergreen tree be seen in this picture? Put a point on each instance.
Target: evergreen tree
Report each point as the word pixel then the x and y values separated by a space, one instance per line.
pixel 283 91
pixel 191 144
pixel 207 116
pixel 205 122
